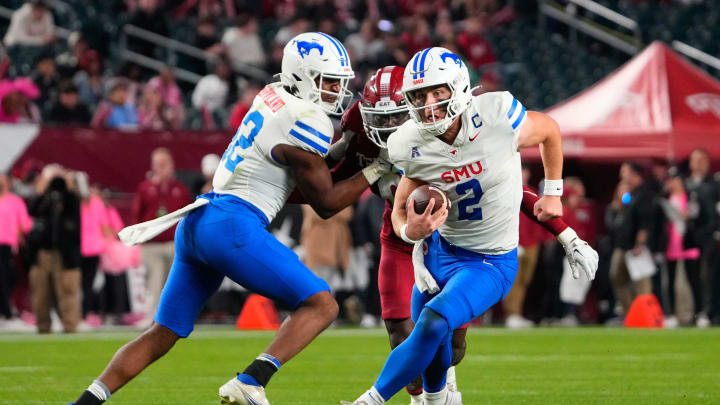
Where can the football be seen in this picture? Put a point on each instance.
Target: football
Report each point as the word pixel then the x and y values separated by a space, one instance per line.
pixel 424 193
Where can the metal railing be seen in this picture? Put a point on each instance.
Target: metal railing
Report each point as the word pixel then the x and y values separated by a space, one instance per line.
pixel 569 16
pixel 696 54
pixel 173 48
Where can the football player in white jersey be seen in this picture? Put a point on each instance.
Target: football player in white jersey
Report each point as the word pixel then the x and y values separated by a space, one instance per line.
pixel 465 257
pixel 280 146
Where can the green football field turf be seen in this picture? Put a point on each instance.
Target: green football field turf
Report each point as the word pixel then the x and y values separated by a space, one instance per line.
pixel 541 366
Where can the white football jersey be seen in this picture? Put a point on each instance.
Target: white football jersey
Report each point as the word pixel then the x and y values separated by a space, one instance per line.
pixel 248 169
pixel 480 172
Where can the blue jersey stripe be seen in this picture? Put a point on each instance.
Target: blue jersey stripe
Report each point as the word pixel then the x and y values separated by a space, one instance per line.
pixel 313 131
pixel 337 44
pixel 310 142
pixel 422 61
pixel 519 119
pixel 512 107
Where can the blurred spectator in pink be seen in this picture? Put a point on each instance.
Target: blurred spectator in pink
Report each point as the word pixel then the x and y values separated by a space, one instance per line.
pixel 116 112
pixel 15 101
pixel 243 105
pixel 211 91
pixel 168 88
pixel 68 109
pixel 474 45
pixel 417 36
pixel 94 228
pixel 31 25
pixel 115 260
pixel 675 208
pixel 155 113
pixel 243 43
pixel 161 194
pixel 15 223
pixel 90 80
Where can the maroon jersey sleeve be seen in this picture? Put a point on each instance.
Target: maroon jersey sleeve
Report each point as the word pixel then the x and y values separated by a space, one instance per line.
pixel 352 119
pixel 530 197
pixel 361 151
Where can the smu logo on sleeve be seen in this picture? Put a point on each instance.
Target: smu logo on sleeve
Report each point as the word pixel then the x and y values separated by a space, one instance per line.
pixel 462 173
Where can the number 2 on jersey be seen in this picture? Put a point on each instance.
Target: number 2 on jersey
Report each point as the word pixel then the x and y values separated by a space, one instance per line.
pixel 244 138
pixel 465 210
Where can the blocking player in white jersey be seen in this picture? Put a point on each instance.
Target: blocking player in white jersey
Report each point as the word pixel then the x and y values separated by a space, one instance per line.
pixel 469 148
pixel 280 145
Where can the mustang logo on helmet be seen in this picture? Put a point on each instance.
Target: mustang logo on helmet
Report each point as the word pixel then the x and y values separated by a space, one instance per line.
pixel 451 56
pixel 304 48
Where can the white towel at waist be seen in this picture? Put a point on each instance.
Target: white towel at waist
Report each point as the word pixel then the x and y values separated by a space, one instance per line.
pixel 144 231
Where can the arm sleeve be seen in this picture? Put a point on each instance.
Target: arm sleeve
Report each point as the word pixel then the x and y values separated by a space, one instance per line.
pixel 396 153
pixel 310 132
pixel 512 113
pixel 502 111
pixel 530 197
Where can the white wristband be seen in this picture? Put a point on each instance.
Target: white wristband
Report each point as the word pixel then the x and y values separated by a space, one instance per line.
pixel 404 236
pixel 553 188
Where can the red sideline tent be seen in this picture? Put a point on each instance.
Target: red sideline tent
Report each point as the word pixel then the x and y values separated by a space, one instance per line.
pixel 657 105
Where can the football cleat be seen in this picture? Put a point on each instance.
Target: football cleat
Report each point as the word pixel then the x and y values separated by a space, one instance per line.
pixel 449 398
pixel 370 397
pixel 235 392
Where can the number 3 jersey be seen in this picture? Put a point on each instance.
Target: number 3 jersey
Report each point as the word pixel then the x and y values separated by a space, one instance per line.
pixel 249 170
pixel 480 172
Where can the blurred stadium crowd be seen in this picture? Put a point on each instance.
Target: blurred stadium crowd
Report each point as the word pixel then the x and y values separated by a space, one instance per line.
pixel 57 229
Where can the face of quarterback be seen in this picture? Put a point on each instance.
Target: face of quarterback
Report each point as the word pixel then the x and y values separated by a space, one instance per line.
pixel 435 98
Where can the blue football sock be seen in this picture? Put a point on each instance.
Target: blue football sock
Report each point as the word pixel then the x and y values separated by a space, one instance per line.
pixel 434 377
pixel 412 357
pixel 247 379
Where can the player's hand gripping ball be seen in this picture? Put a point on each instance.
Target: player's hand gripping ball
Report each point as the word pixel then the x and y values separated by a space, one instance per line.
pixel 422 196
